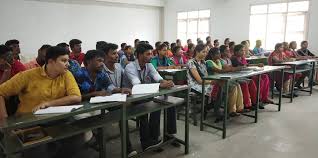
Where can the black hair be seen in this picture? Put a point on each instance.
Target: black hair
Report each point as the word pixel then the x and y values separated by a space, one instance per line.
pixel 127 47
pixel 123 45
pixel 11 42
pixel 4 49
pixel 175 49
pixel 189 40
pixel 73 42
pixel 190 46
pixel 142 48
pixel 161 46
pixel 100 45
pixel 54 52
pixel 178 40
pixel 172 45
pixel 108 47
pixel 63 44
pixel 278 45
pixel 136 40
pixel 231 44
pixel 291 43
pixel 92 54
pixel 223 48
pixel 199 48
pixel 212 53
pixel 238 47
pixel 44 46
pixel 215 41
pixel 244 43
pixel 303 42
pixel 167 43
pixel 226 39
pixel 207 38
pixel 200 42
pixel 157 44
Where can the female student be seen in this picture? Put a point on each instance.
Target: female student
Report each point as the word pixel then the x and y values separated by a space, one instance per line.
pixel 189 54
pixel 178 58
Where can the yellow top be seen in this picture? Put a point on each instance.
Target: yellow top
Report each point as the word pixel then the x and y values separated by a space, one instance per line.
pixel 35 87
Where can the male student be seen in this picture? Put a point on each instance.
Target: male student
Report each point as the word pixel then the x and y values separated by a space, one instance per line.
pixel 76 53
pixel 15 47
pixel 156 51
pixel 121 52
pixel 138 72
pixel 303 51
pixel 40 59
pixel 64 45
pixel 100 45
pixel 127 57
pixel 8 65
pixel 161 61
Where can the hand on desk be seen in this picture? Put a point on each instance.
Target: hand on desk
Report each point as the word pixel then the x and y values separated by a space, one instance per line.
pixel 126 91
pixel 100 93
pixel 41 106
pixel 166 84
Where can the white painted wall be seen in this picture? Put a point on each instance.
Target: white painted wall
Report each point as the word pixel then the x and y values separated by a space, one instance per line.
pixel 230 18
pixel 35 23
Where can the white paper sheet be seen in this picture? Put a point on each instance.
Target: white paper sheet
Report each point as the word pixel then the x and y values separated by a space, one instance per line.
pixel 114 97
pixel 57 109
pixel 145 88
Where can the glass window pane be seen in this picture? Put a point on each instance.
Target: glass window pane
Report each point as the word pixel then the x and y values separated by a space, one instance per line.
pixel 182 26
pixel 276 23
pixel 204 26
pixel 296 36
pixel 272 39
pixel 277 8
pixel 193 14
pixel 192 36
pixel 193 26
pixel 257 28
pixel 182 15
pixel 298 6
pixel 204 13
pixel 295 22
pixel 202 36
pixel 182 36
pixel 258 9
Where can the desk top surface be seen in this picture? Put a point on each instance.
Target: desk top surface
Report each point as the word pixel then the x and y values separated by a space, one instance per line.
pixel 299 62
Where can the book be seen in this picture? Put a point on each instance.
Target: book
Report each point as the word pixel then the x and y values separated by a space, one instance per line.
pixel 114 97
pixel 145 88
pixel 33 135
pixel 57 109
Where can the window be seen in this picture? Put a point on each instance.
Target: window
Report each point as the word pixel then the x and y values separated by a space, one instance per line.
pixel 193 25
pixel 278 22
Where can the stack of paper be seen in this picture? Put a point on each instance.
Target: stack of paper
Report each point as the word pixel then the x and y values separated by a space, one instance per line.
pixel 114 97
pixel 58 109
pixel 145 88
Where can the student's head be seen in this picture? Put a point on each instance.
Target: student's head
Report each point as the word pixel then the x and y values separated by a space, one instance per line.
pixel 304 44
pixel 94 60
pixel 128 50
pixel 189 41
pixel 57 58
pixel 14 46
pixel 258 43
pixel 157 44
pixel 178 41
pixel 200 51
pixel 227 41
pixel 190 51
pixel 232 45
pixel 162 49
pixel 225 51
pixel 136 42
pixel 244 43
pixel 167 44
pixel 111 54
pixel 285 46
pixel 200 42
pixel 293 45
pixel 177 51
pixel 100 45
pixel 6 55
pixel 208 39
pixel 64 45
pixel 239 50
pixel 144 52
pixel 198 39
pixel 216 43
pixel 279 47
pixel 172 45
pixel 42 53
pixel 123 45
pixel 214 54
pixel 75 45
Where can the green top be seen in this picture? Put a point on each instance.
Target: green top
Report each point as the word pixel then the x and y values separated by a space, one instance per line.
pixel 156 62
pixel 211 64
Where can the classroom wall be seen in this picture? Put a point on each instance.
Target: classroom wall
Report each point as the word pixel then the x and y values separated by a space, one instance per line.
pixel 230 18
pixel 35 23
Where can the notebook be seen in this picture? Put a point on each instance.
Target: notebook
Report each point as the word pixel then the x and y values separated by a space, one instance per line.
pixel 145 88
pixel 115 97
pixel 58 109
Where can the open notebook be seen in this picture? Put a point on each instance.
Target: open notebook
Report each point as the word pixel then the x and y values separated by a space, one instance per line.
pixel 114 97
pixel 145 88
pixel 58 109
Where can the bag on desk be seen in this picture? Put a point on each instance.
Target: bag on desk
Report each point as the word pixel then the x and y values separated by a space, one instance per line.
pixel 31 135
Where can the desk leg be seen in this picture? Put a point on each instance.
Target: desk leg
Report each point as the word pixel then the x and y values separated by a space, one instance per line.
pixel 123 111
pixel 101 138
pixel 272 83
pixel 257 97
pixel 186 148
pixel 165 125
pixel 281 91
pixel 225 109
pixel 311 84
pixel 202 105
pixel 293 84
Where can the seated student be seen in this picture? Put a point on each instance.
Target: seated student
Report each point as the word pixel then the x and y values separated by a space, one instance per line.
pixel 258 51
pixel 127 57
pixel 231 46
pixel 100 45
pixel 178 58
pixel 169 51
pixel 155 52
pixel 8 65
pixel 227 41
pixel 303 51
pixel 161 61
pixel 178 43
pixel 39 60
pixel 42 87
pixel 249 52
pixel 215 66
pixel 139 72
pixel 279 56
pixel 16 51
pixel 64 45
pixel 189 54
pixel 74 67
pixel 121 52
pixel 239 60
pixel 76 53
pixel 216 43
pixel 293 53
pixel 208 42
